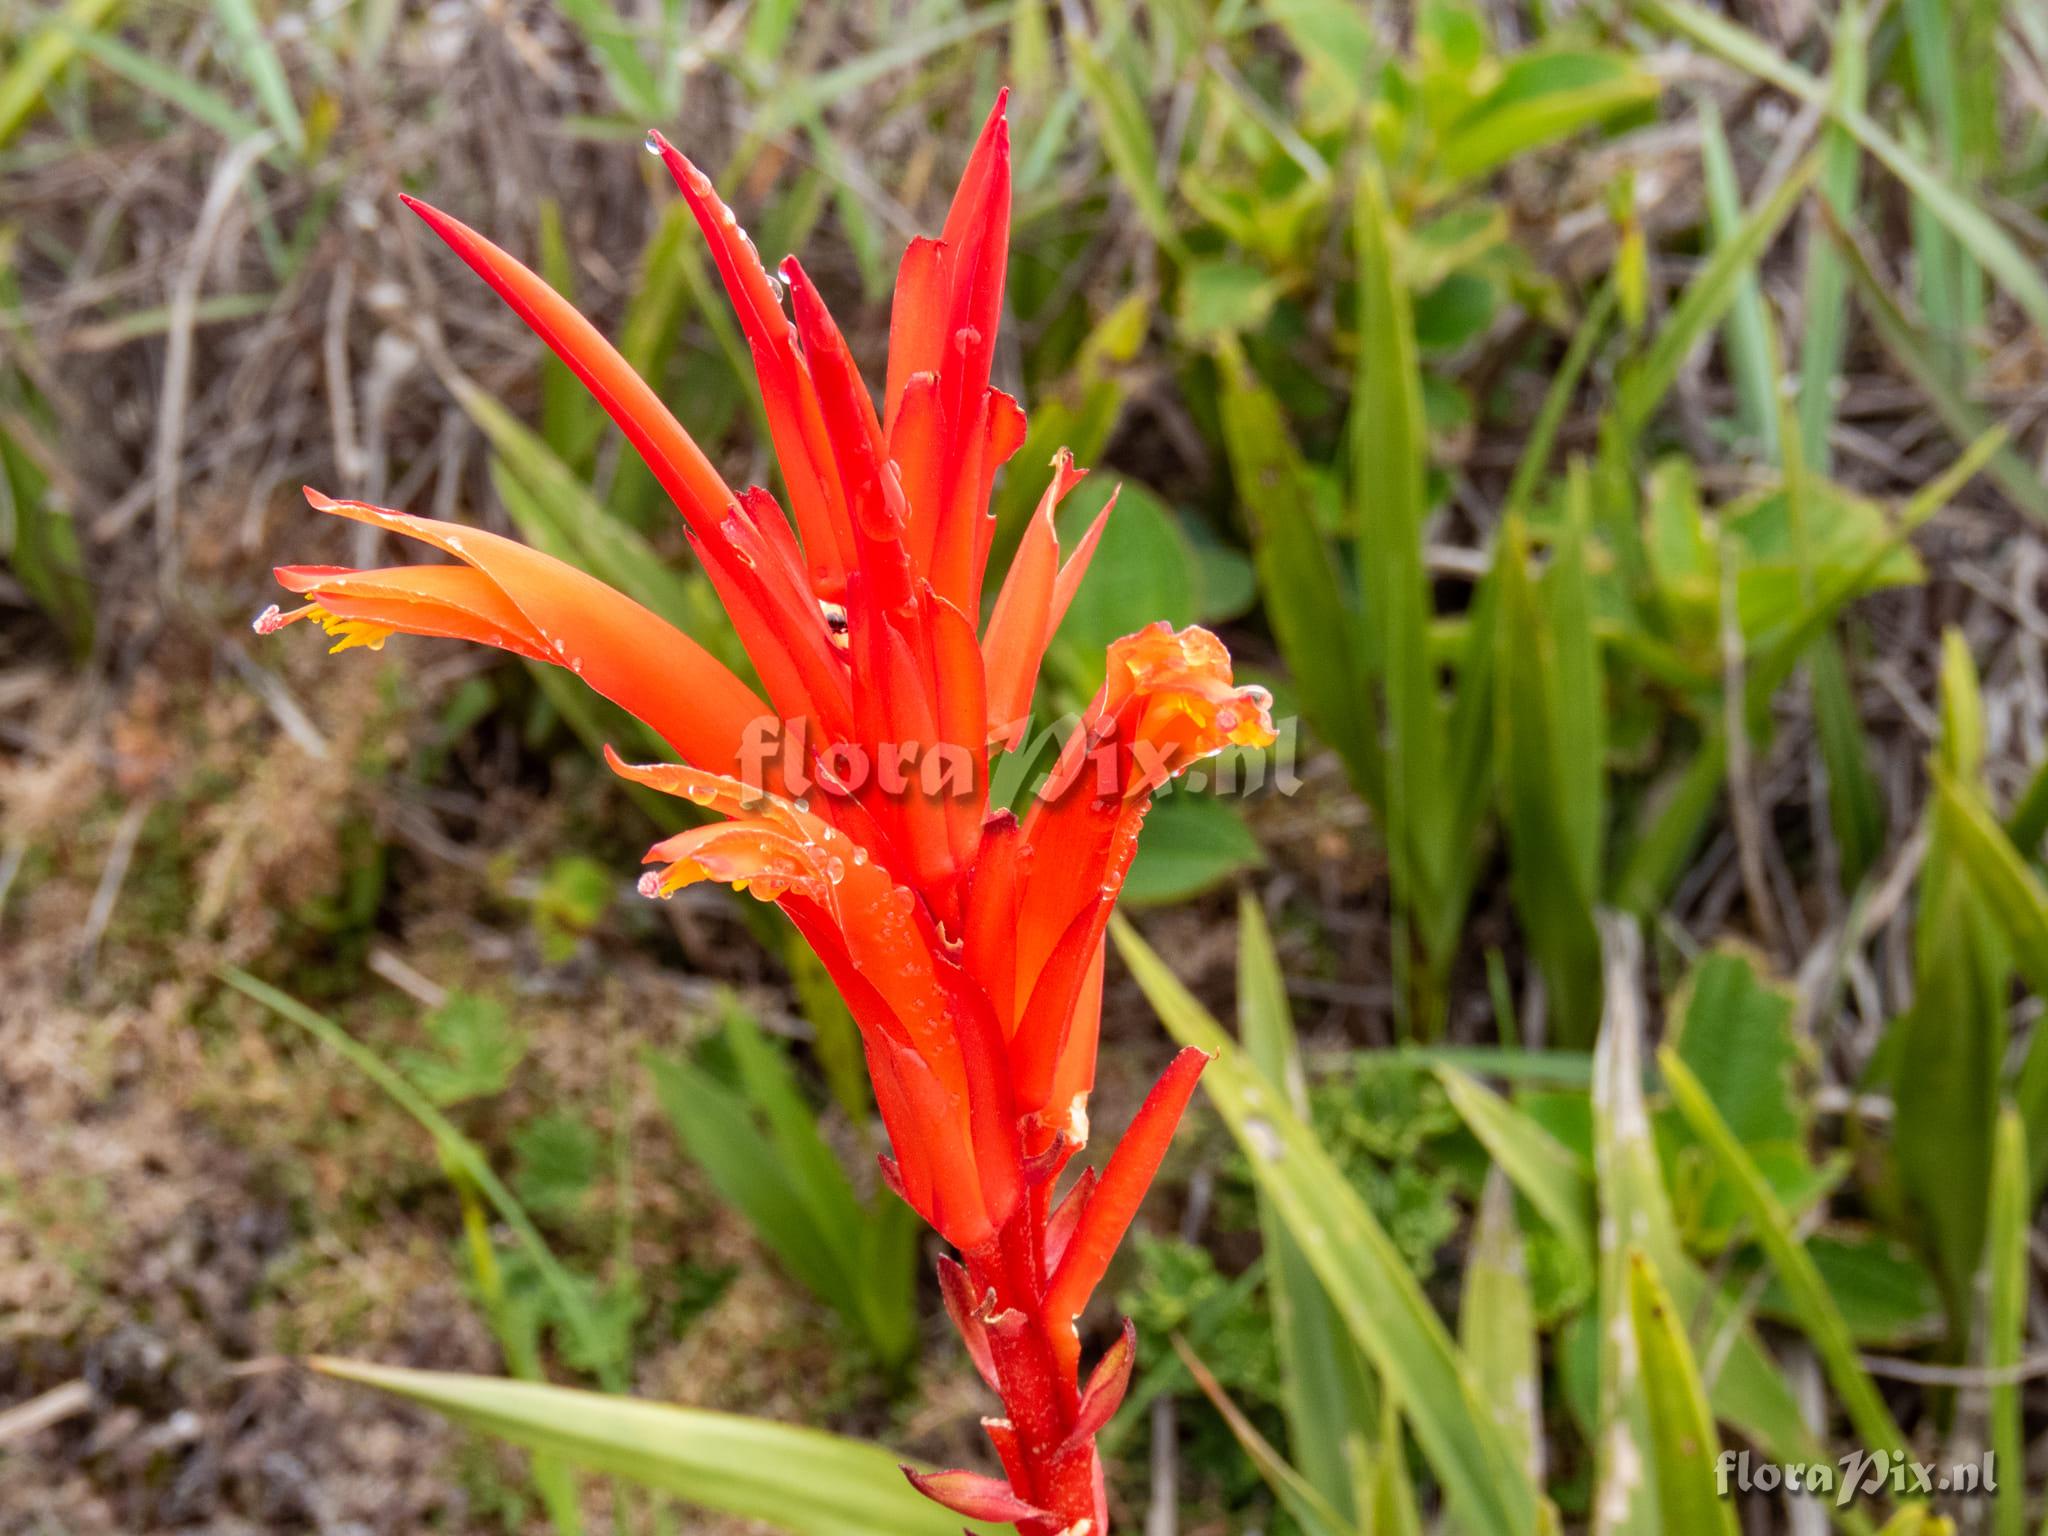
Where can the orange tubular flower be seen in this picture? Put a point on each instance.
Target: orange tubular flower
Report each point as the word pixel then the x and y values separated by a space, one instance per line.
pixel 968 943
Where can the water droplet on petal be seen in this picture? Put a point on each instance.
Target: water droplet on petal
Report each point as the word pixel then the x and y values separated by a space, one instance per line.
pixel 802 802
pixel 835 870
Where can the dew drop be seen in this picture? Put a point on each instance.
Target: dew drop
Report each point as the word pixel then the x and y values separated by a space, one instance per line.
pixel 802 802
pixel 835 870
pixel 860 856
pixel 652 143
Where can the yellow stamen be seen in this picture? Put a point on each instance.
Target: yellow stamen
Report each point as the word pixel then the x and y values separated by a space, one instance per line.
pixel 350 633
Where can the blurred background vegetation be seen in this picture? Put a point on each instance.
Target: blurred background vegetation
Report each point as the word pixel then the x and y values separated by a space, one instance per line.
pixel 1613 430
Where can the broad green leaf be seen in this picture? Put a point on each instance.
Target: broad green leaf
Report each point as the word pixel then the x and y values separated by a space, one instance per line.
pixel 1683 1443
pixel 1326 1391
pixel 803 1481
pixel 1542 96
pixel 1220 297
pixel 1887 1297
pixel 477 1051
pixel 1363 1273
pixel 1820 1318
pixel 1733 1028
pixel 1549 1175
pixel 1191 843
pixel 1143 570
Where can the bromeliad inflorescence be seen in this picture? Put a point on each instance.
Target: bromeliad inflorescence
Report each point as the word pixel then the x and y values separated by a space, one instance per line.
pixel 968 942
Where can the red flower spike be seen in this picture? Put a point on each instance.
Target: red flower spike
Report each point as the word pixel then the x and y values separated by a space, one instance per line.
pixel 975 1496
pixel 966 940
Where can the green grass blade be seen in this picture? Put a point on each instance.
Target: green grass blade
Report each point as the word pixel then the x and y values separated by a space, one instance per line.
pixel 456 1150
pixel 1534 463
pixel 35 63
pixel 1706 299
pixel 1855 802
pixel 1635 1216
pixel 1497 1325
pixel 712 1122
pixel 1326 1392
pixel 2005 1318
pixel 263 70
pixel 1819 1316
pixel 1297 571
pixel 1749 349
pixel 1546 863
pixel 1683 1442
pixel 1984 239
pixel 1914 351
pixel 1824 295
pixel 799 1480
pixel 1550 1178
pixel 1126 134
pixel 1362 1271
pixel 179 90
pixel 1389 462
pixel 1297 1495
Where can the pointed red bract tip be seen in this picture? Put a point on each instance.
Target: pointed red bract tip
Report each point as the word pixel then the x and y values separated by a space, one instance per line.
pixel 975 1496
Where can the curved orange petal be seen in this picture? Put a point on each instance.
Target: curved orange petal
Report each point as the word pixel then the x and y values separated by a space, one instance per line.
pixel 636 659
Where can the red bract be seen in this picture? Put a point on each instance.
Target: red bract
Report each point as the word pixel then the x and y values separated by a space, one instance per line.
pixel 968 943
